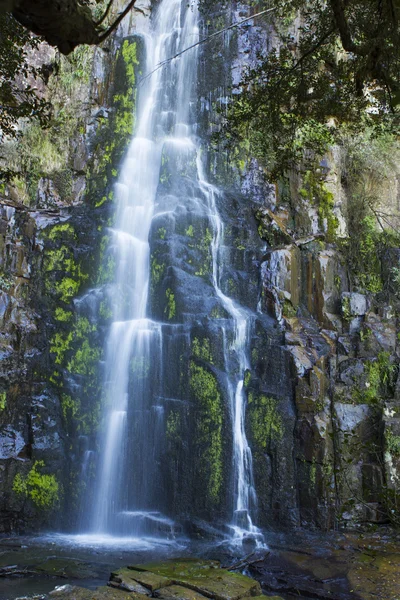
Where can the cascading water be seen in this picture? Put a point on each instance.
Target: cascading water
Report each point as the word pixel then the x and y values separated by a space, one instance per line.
pixel 127 500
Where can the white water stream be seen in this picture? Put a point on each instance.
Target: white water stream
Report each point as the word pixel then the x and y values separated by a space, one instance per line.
pixel 133 337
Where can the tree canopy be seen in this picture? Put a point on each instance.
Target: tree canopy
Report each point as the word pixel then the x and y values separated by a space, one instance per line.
pixel 335 63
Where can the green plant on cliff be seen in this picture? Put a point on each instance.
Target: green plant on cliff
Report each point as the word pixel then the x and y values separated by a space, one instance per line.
pixel 41 488
pixel 170 308
pixel 370 163
pixel 338 64
pixel 19 98
pixel 265 422
pixel 379 380
pixel 209 421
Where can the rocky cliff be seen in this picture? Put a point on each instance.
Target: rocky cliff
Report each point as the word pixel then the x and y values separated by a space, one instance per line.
pixel 316 269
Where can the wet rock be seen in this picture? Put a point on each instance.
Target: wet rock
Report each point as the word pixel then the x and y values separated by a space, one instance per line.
pixel 125 579
pixel 204 577
pixel 178 592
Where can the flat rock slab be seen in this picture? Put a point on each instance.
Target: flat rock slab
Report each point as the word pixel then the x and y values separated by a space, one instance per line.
pixel 69 592
pixel 149 579
pixel 182 579
pixel 204 577
pixel 177 592
pixel 124 579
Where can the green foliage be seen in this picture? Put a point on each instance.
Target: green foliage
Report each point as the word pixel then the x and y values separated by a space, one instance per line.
pixel 379 380
pixel 190 231
pixel 204 388
pixel 346 310
pixel 265 422
pixel 105 311
pixel 114 133
pixel 288 310
pixel 170 309
pixel 3 401
pixel 6 282
pixel 18 100
pixel 67 288
pixel 202 349
pixel 392 443
pixel 42 489
pixel 343 59
pixel 370 159
pixel 157 270
pixel 173 425
pixel 64 316
pixel 204 246
pixel 60 343
pixel 65 229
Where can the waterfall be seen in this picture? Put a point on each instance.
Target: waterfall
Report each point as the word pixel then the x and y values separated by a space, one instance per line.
pixel 127 496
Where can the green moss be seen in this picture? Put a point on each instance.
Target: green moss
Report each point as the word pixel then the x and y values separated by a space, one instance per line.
pixel 85 360
pixel 170 309
pixel 202 349
pixel 392 443
pixel 265 422
pixel 204 247
pixel 314 190
pixel 70 407
pixel 162 233
pixel 288 310
pixel 42 489
pixel 60 343
pixel 62 230
pixel 3 401
pixel 105 311
pixel 62 315
pixel 67 288
pixel 204 388
pixel 313 473
pixel 247 378
pixel 173 425
pixel 114 132
pixel 106 271
pixel 129 54
pixel 157 270
pixel 380 377
pixel 346 312
pixel 190 231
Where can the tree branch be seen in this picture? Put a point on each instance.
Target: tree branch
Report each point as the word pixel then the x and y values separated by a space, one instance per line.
pixel 109 5
pixel 117 21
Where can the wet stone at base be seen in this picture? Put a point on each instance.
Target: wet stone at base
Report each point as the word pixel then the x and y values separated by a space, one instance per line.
pixel 187 579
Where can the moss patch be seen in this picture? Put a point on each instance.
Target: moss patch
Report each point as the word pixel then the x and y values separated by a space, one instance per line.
pixel 209 421
pixel 42 489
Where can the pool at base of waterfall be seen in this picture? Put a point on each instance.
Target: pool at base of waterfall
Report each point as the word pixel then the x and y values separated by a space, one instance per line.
pixel 340 566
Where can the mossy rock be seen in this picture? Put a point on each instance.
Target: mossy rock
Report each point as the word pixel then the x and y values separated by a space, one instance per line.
pixel 128 579
pixel 203 577
pixel 178 592
pixel 69 592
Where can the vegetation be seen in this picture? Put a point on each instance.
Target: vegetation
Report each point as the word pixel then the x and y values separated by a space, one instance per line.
pixel 42 489
pixel 341 66
pixel 18 95
pixel 204 388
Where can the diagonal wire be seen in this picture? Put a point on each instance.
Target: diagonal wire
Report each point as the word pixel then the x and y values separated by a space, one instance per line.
pixel 206 39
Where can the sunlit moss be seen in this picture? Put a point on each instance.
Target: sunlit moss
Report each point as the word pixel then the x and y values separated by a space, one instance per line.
pixel 209 420
pixel 265 422
pixel 42 489
pixel 202 349
pixel 170 308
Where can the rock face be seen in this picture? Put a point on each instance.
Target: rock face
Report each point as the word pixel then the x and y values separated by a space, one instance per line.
pixel 185 579
pixel 323 403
